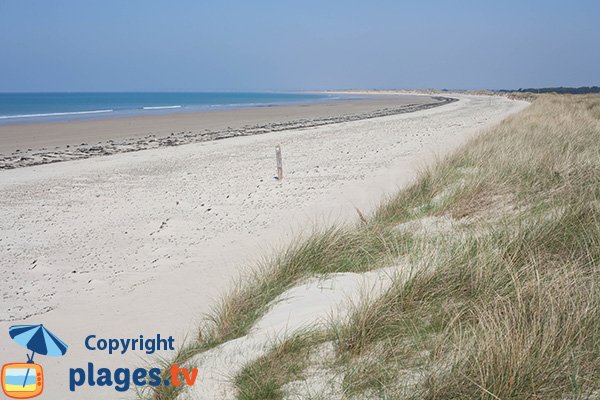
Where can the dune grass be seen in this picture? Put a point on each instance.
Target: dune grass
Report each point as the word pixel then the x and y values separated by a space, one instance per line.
pixel 264 378
pixel 504 236
pixel 338 249
pixel 505 303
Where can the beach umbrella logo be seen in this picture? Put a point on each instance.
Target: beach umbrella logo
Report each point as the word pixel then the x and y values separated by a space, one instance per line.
pixel 26 380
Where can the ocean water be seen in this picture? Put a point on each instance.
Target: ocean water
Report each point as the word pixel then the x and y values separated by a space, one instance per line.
pixel 29 107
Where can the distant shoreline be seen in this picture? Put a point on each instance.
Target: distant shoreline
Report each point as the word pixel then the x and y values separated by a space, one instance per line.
pixel 45 143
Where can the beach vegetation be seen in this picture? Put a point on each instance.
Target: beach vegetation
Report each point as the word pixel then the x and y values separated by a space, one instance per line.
pixel 503 238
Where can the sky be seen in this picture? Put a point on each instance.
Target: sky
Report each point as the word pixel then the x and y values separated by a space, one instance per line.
pixel 199 45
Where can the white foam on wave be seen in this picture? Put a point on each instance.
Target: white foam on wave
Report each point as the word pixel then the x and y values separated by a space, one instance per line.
pixel 160 107
pixel 54 114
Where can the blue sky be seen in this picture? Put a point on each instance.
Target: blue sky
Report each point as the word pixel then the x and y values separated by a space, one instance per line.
pixel 129 45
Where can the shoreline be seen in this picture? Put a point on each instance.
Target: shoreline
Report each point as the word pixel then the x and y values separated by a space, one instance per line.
pixel 142 104
pixel 126 134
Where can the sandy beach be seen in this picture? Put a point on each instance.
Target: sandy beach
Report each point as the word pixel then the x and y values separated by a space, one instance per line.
pixel 142 242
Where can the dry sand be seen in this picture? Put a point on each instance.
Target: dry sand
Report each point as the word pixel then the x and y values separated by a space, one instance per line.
pixel 143 242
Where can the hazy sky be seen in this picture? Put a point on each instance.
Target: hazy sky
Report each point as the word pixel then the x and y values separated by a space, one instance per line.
pixel 121 45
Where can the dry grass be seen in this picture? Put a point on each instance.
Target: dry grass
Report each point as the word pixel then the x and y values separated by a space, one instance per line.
pixel 264 378
pixel 506 301
pixel 509 306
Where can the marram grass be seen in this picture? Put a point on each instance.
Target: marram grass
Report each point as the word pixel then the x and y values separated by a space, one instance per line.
pixel 504 303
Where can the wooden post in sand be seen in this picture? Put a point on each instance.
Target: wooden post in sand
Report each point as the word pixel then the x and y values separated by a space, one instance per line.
pixel 279 163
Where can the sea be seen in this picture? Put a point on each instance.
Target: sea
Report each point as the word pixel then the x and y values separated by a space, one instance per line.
pixel 33 107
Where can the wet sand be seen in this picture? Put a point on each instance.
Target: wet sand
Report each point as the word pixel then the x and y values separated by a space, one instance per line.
pixel 42 143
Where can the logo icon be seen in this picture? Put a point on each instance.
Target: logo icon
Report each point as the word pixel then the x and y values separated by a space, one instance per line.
pixel 26 380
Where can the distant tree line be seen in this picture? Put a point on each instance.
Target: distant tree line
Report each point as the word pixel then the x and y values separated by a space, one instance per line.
pixel 560 90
